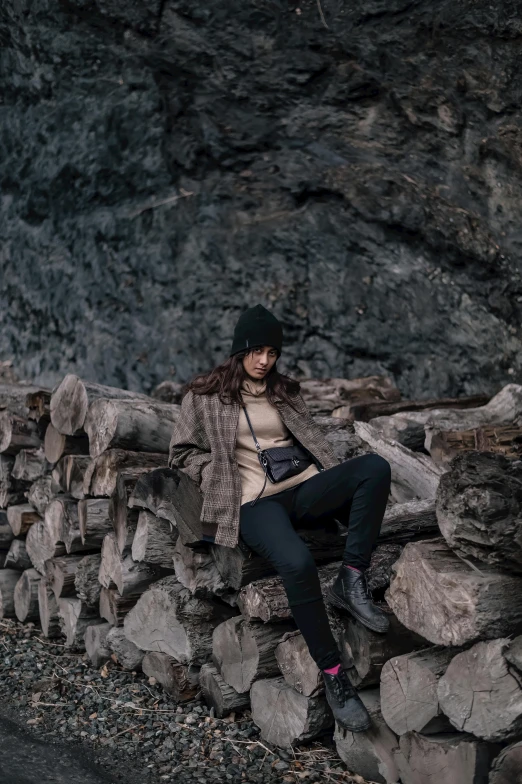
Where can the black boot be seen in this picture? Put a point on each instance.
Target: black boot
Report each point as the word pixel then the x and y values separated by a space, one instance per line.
pixel 346 705
pixel 350 592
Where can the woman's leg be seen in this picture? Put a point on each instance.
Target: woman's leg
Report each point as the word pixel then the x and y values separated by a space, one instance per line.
pixel 267 529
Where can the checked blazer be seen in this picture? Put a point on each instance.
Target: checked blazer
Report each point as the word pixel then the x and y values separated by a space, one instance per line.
pixel 203 447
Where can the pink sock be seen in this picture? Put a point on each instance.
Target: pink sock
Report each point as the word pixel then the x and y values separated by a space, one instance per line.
pixel 333 670
pixel 353 568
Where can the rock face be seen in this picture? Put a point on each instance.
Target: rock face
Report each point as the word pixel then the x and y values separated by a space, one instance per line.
pixel 166 163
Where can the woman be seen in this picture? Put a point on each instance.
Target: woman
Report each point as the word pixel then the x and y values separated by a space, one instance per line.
pixel 215 444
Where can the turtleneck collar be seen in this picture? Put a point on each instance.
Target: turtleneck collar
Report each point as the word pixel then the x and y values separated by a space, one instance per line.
pixel 255 388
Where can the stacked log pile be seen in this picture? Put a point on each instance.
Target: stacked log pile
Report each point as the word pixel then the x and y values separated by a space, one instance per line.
pixel 100 542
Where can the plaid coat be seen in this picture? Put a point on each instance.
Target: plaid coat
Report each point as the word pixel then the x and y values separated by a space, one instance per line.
pixel 203 446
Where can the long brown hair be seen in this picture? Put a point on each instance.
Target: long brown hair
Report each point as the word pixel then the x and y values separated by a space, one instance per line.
pixel 226 380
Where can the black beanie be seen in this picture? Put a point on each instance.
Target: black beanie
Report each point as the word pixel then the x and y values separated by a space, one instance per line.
pixel 257 327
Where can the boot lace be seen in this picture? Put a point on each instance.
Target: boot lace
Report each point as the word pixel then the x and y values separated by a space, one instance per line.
pixel 341 687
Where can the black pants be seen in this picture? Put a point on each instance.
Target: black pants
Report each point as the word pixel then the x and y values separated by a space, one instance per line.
pixel 355 492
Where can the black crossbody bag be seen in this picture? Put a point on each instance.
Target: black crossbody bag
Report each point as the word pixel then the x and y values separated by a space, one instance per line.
pixel 280 462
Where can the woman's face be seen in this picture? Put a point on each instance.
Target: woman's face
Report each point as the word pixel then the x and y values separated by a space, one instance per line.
pixel 259 361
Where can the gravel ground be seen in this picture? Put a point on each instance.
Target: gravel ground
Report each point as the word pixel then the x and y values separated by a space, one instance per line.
pixel 133 728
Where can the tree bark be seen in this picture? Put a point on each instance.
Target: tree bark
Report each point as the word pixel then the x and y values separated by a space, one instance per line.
pixel 60 574
pixel 120 570
pixel 21 517
pixel 69 474
pixel 40 494
pixel 6 532
pixel 17 557
pixel 129 655
pixel 286 717
pixel 26 596
pixel 367 410
pixel 8 581
pixel 48 611
pixel 12 491
pixel 143 425
pixel 409 699
pixel 17 433
pixel 75 617
pixel 70 402
pixel 178 680
pixel 38 403
pixel 372 753
pixel 171 494
pixel 197 571
pixel 94 520
pixel 41 545
pixel 96 646
pixel 72 537
pixel 167 618
pixel 57 445
pixel 479 509
pixel 102 472
pixel 13 397
pixel 507 767
pixel 297 666
pixel 154 540
pixel 451 758
pixel 513 653
pixel 480 695
pixel 124 520
pixel 218 694
pixel 470 604
pixel 364 653
pixel 414 476
pixel 114 607
pixel 86 583
pixel 323 396
pixel 245 652
pixel 30 465
pixel 410 520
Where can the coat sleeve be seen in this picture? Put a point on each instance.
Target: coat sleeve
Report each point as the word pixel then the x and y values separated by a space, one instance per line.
pixel 189 448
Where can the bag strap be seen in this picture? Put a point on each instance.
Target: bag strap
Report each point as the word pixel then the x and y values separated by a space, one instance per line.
pixel 251 429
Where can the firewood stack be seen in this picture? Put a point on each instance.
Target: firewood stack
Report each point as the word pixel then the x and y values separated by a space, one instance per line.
pixel 100 542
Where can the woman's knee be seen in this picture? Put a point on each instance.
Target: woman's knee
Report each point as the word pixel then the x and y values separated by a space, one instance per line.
pixel 376 468
pixel 299 565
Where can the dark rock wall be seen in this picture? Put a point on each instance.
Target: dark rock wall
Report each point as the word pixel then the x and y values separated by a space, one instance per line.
pixel 166 163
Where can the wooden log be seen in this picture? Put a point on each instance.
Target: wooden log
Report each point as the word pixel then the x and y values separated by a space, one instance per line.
pixel 30 465
pixel 409 700
pixel 218 694
pixel 13 397
pixel 41 545
pixel 341 436
pixel 86 583
pixel 38 403
pixel 143 425
pixel 513 653
pixel 471 603
pixel 507 767
pixel 266 599
pixel 409 520
pixel 171 494
pixel 8 581
pixel 364 653
pixel 479 509
pixel 328 394
pixel 71 400
pixel 74 468
pixel 239 566
pixel 154 540
pixel 60 574
pixel 96 646
pixel 26 596
pixel 94 520
pixel 502 439
pixel 297 666
pixel 10 491
pixel 451 758
pixel 286 717
pixel 480 695
pixel 245 652
pixel 17 433
pixel 372 754
pixel 40 494
pixel 102 472
pixel 124 520
pixel 72 536
pixel 114 607
pixel 169 619
pixel 168 392
pixel 414 476
pixel 178 680
pixel 367 410
pixel 6 532
pixel 109 556
pixel 74 618
pixel 21 517
pixel 16 557
pixel 48 611
pixel 120 570
pixel 129 655
pixel 57 445
pixel 197 571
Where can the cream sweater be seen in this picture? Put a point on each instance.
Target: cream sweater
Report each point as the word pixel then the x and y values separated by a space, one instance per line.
pixel 270 431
